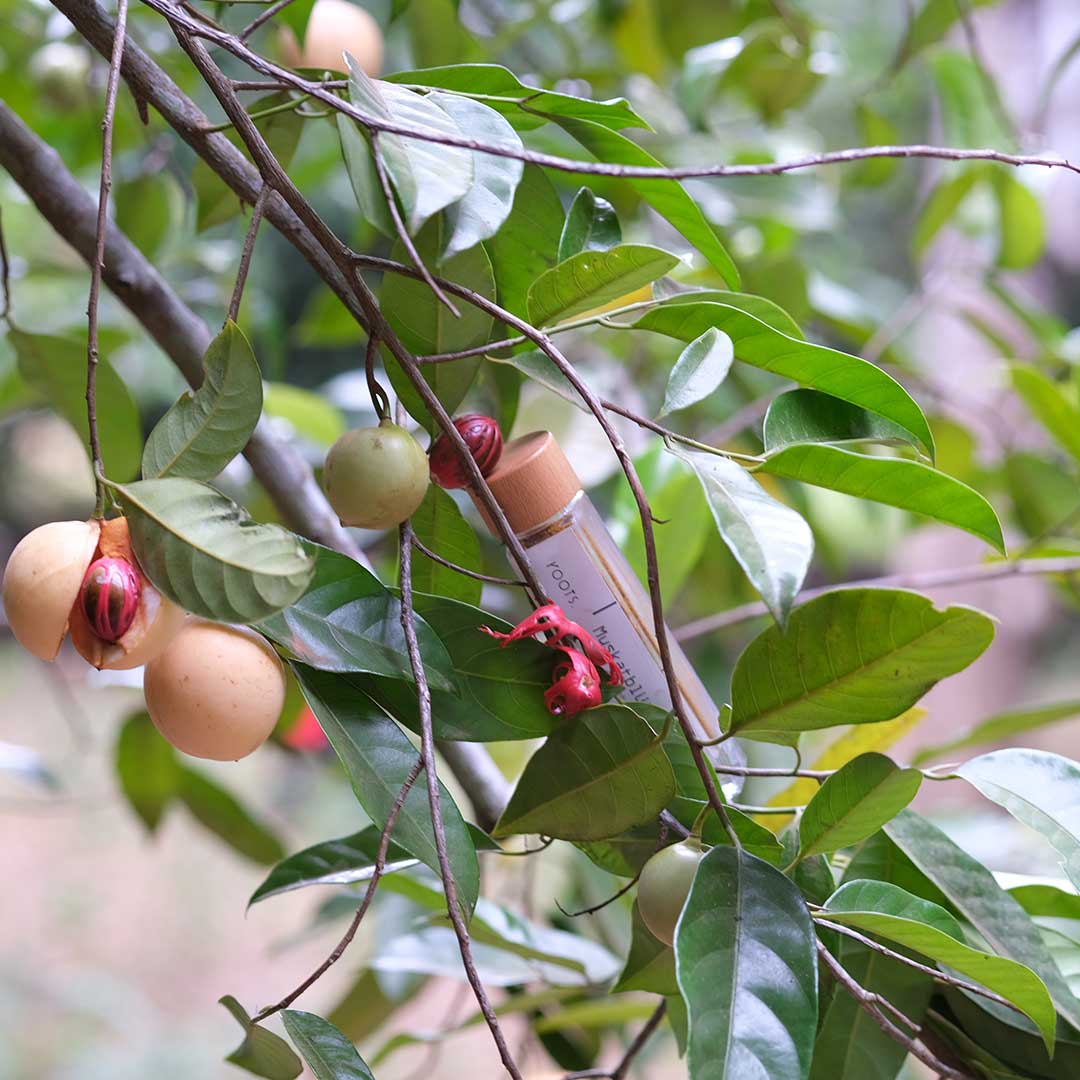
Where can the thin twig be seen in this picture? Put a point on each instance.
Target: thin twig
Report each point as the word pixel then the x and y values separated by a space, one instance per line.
pixel 245 255
pixel 427 750
pixel 623 1068
pixel 935 973
pixel 5 275
pixel 263 17
pixel 379 400
pixel 403 233
pixel 747 770
pixel 490 578
pixel 369 894
pixel 872 1004
pixel 924 579
pixel 603 903
pixel 97 266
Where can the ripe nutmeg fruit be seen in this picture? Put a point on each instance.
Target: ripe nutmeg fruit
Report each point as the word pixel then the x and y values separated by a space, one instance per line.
pixel 376 477
pixel 335 27
pixel 217 691
pixel 485 442
pixel 664 886
pixel 82 576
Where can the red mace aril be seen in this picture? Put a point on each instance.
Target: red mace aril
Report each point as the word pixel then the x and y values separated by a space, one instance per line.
pixel 576 685
pixel 110 597
pixel 485 442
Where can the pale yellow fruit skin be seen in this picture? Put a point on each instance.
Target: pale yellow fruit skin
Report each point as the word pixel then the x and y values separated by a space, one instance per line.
pixel 376 477
pixel 664 886
pixel 42 580
pixel 336 27
pixel 216 691
pixel 165 619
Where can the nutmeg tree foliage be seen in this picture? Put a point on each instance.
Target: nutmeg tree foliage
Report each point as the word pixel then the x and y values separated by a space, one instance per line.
pixel 698 227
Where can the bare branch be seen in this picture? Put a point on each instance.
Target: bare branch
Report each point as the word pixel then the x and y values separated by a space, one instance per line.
pixel 464 570
pixel 245 255
pixel 923 579
pixel 623 1068
pixel 263 17
pixel 104 188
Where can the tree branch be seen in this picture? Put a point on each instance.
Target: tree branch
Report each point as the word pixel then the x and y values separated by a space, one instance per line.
pixel 923 579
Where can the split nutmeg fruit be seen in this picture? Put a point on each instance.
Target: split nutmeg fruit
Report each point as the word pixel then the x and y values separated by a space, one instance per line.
pixel 82 576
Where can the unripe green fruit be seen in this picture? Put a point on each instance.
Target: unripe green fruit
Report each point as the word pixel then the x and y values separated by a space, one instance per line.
pixel 664 886
pixel 376 477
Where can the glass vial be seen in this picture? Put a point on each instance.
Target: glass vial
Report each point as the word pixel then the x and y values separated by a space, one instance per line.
pixel 582 569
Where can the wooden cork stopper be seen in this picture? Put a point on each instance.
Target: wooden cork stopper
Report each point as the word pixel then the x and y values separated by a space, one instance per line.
pixel 532 482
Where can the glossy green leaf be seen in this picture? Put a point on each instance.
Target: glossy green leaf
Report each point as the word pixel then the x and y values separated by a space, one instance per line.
pixel 1048 403
pixel 591 279
pixel 876 907
pixel 309 415
pixel 333 862
pixel 363 175
pixel 855 802
pixel 1038 788
pixel 1047 901
pixel 854 656
pixel 262 1052
pixel 667 197
pixel 747 968
pixel 426 176
pixel 525 106
pixel 201 550
pixel 650 964
pixel 930 24
pixel 206 428
pixel 500 692
pixel 908 485
pixel 487 203
pixel 820 368
pixel 56 369
pixel 220 812
pixel 755 838
pixel 938 210
pixel 1023 231
pixel 770 541
pixel 763 309
pixel 808 416
pixel 591 225
pixel 146 767
pixel 329 1054
pixel 377 758
pixel 623 855
pixel 594 778
pixel 972 891
pixel 702 366
pixel 348 621
pixel 541 369
pixel 439 524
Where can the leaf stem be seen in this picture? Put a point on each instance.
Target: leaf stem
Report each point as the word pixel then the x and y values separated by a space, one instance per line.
pixel 263 17
pixel 475 574
pixel 245 255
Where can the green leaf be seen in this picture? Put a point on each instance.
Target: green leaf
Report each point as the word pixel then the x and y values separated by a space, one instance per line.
pixel 439 524
pixel 203 552
pixel 348 621
pixel 931 24
pixel 770 541
pixel 908 485
pixel 328 1053
pixel 667 197
pixel 756 839
pixel 262 1052
pixel 1047 901
pixel 876 907
pixel 650 965
pixel 943 202
pixel 217 810
pixel 591 279
pixel 1004 725
pixel 528 107
pixel 855 802
pixel 310 415
pixel 426 176
pixel 854 656
pixel 1039 789
pixel 487 204
pixel 377 758
pixel 541 369
pixel 150 210
pixel 972 891
pixel 147 769
pixel 333 862
pixel 594 778
pixel 762 346
pixel 1023 231
pixel 56 368
pixel 206 428
pixel 1049 405
pixel 622 855
pixel 591 225
pixel 364 177
pixel 807 416
pixel 528 242
pixel 702 366
pixel 425 325
pixel 747 968
pixel 767 311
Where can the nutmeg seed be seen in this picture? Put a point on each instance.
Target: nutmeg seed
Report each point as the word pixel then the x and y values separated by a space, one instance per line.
pixel 110 597
pixel 484 440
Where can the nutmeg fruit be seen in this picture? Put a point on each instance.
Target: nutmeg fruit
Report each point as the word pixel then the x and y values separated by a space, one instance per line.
pixel 485 442
pixel 664 886
pixel 217 691
pixel 335 27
